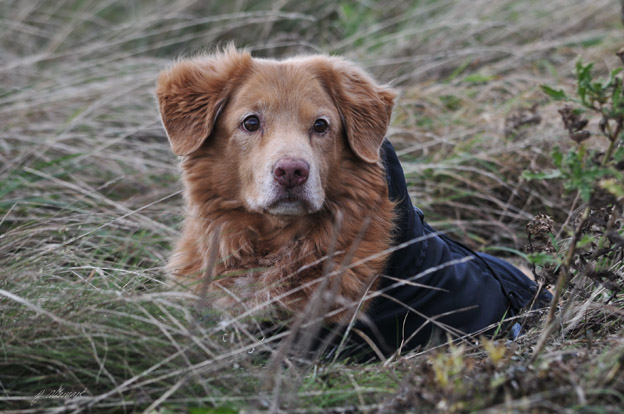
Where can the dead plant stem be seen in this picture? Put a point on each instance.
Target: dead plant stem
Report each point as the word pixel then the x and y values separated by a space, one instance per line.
pixel 561 284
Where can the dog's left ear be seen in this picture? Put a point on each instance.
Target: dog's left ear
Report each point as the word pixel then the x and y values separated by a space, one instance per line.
pixel 365 106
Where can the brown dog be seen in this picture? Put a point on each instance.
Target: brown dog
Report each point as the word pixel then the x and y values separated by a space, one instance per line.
pixel 272 153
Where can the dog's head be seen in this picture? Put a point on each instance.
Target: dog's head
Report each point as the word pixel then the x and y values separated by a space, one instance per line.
pixel 278 130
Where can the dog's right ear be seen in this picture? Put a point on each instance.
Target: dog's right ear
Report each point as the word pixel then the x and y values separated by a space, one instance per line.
pixel 192 93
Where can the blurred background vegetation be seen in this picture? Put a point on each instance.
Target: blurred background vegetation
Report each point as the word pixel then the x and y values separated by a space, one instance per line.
pixel 468 72
pixel 90 202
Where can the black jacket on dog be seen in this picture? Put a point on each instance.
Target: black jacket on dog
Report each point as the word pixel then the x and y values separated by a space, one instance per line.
pixel 434 285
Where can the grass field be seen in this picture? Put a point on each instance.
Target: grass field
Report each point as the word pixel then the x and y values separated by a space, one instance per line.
pixel 90 204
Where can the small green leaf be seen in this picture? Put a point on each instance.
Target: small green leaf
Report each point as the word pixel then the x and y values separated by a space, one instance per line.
pixel 541 259
pixel 585 193
pixel 553 241
pixel 593 41
pixel 556 94
pixel 557 157
pixel 583 72
pixel 541 175
pixel 597 87
pixel 507 250
pixel 583 78
pixel 585 240
pixel 616 97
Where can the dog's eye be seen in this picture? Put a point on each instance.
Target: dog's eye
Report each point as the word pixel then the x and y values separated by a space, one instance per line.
pixel 251 123
pixel 320 126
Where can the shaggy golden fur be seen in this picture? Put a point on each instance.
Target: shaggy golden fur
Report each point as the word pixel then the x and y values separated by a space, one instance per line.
pixel 272 242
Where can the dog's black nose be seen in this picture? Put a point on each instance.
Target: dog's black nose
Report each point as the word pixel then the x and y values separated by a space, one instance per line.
pixel 291 173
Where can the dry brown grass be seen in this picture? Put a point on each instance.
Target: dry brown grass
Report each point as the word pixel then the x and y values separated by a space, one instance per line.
pixel 89 203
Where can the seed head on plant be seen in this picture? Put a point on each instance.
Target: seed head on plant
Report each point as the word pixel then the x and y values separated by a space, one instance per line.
pixel 575 124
